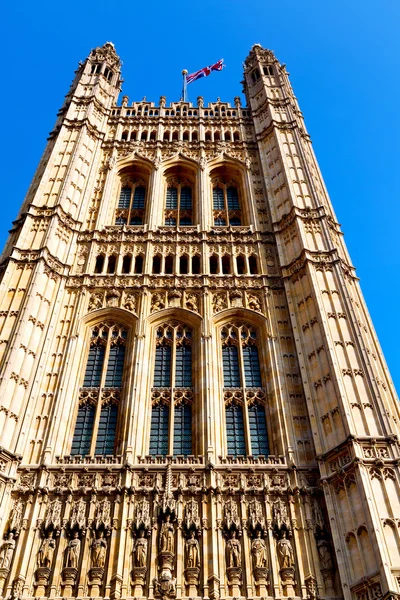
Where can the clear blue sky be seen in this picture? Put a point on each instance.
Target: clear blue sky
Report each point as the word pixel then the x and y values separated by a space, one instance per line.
pixel 343 57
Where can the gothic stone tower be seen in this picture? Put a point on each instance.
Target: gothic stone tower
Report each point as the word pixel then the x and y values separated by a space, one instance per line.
pixel 193 399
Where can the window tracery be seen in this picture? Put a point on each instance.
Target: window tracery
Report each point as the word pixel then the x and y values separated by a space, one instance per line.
pixel 131 203
pixel 178 202
pixel 226 203
pixel 99 397
pixel 172 393
pixel 244 397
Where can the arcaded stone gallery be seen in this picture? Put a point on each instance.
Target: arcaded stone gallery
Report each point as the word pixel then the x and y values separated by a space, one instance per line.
pixel 193 399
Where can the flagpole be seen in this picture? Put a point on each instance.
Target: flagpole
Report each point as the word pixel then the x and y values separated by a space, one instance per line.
pixel 184 90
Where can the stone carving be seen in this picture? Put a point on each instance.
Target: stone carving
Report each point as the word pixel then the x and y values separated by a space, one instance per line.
pixel 254 302
pixel 140 551
pixel 325 555
pixel 167 536
pixel 231 516
pixel 157 302
pixel 103 518
pixel 46 551
pixel 95 301
pixel 53 516
pixel 112 298
pixel 280 516
pixel 219 302
pixel 192 519
pixel 6 551
pixel 233 551
pixel 78 518
pixel 142 516
pixel 98 551
pixel 318 518
pixel 73 551
pixel 285 552
pixel 130 302
pixel 16 516
pixel 192 552
pixel 192 302
pixel 259 552
pixel 255 515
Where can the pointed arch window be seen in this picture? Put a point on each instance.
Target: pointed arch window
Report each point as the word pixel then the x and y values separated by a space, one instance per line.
pixel 172 393
pixel 226 204
pixel 246 425
pixel 178 204
pixel 96 423
pixel 131 204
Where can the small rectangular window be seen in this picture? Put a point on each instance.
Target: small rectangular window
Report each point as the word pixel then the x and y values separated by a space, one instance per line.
pixel 162 367
pixel 107 429
pixel 159 430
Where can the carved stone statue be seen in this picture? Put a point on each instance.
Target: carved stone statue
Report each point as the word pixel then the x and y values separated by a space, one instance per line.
pixel 285 552
pixel 325 555
pixel 140 551
pixel 192 552
pixel 167 536
pixel 259 552
pixel 99 550
pixel 6 551
pixel 233 552
pixel 46 551
pixel 73 551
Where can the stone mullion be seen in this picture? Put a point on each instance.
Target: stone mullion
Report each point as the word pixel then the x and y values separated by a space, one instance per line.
pixel 246 546
pixel 250 203
pixel 153 551
pixel 179 557
pixel 155 201
pixel 138 435
pixel 274 584
pixel 244 399
pixel 96 421
pixel 220 549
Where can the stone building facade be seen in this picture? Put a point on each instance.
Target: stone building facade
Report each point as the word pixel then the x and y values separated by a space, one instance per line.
pixel 193 399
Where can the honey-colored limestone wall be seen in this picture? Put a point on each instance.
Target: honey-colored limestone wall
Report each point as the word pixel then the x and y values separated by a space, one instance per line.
pixel 317 517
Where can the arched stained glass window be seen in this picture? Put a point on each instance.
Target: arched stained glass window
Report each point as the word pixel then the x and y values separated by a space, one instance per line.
pixel 183 429
pixel 235 430
pixel 96 422
pixel 243 392
pixel 131 204
pixel 226 204
pixel 172 391
pixel 83 430
pixel 178 204
pixel 258 430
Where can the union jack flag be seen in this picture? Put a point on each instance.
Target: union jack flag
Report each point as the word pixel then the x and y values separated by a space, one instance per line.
pixel 205 72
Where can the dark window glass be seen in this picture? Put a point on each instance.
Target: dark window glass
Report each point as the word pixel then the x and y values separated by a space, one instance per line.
pixel 169 265
pixel 214 265
pixel 112 260
pixel 115 366
pixel 162 368
pixel 183 265
pixel 107 428
pixel 218 199
pixel 241 265
pixel 220 222
pixel 94 366
pixel 235 430
pixel 185 221
pixel 125 197
pixel 83 430
pixel 226 264
pixel 253 265
pixel 235 221
pixel 233 198
pixel 230 361
pixel 126 263
pixel 258 430
pixel 156 264
pixel 170 221
pixel 172 198
pixel 183 366
pixel 183 430
pixel 195 265
pixel 186 198
pixel 139 264
pixel 99 264
pixel 138 198
pixel 159 430
pixel 251 365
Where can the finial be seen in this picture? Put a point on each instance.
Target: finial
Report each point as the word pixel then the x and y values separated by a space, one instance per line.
pixel 185 72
